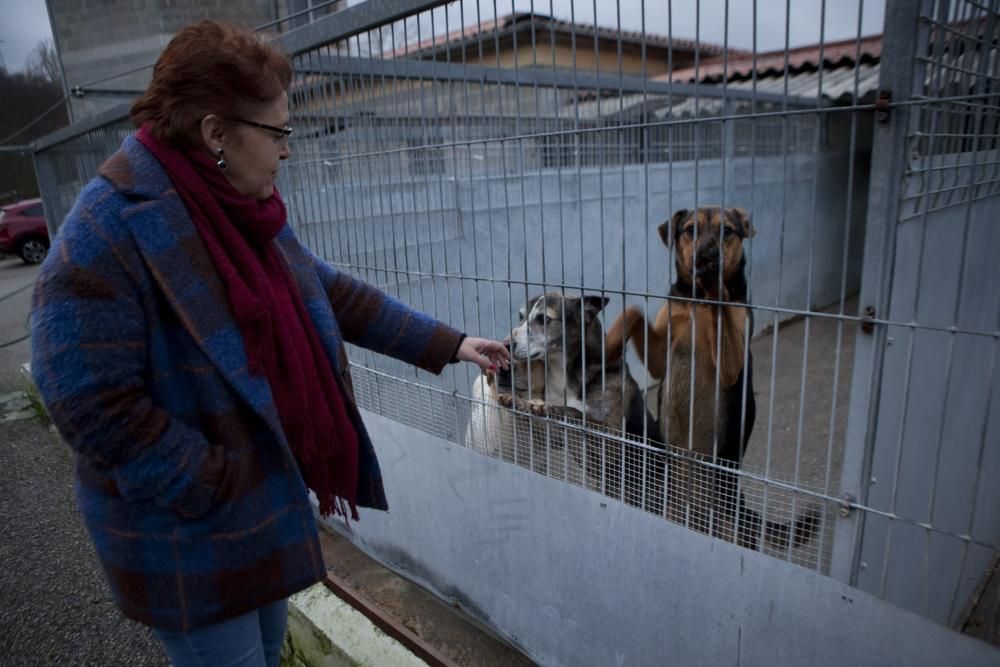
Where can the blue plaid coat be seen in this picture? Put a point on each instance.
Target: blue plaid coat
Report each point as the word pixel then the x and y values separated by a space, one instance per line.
pixel 187 485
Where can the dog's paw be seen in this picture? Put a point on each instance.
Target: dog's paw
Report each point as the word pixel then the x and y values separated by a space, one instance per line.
pixel 536 406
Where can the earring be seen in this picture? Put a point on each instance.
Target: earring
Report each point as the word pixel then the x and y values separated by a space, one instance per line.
pixel 222 161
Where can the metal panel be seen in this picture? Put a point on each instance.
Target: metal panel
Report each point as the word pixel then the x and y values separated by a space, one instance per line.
pixel 574 579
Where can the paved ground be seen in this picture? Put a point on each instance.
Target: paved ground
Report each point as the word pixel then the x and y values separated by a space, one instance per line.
pixel 57 608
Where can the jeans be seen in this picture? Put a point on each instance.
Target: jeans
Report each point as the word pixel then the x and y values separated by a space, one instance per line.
pixel 251 640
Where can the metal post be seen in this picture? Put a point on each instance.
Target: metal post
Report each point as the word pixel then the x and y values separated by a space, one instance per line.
pixel 888 158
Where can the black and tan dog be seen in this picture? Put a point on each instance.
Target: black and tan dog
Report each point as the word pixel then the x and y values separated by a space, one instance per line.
pixel 698 349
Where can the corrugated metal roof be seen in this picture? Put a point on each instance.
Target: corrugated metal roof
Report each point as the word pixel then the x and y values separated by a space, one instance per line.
pixel 837 87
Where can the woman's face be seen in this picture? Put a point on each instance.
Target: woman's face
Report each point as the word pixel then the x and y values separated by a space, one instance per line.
pixel 252 153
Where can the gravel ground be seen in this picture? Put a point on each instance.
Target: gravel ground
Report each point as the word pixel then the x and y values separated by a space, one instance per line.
pixel 56 606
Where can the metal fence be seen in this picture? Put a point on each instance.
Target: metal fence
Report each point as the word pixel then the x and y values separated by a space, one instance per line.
pixel 466 158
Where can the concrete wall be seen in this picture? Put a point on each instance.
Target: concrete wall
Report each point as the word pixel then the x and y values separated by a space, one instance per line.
pixel 588 227
pixel 577 579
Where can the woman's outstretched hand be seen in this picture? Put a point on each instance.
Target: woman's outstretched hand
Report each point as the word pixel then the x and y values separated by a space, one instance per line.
pixel 487 354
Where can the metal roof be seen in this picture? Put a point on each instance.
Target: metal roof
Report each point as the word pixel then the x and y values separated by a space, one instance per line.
pixel 838 87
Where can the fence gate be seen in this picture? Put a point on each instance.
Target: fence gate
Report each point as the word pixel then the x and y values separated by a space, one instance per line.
pixel 468 156
pixel 930 523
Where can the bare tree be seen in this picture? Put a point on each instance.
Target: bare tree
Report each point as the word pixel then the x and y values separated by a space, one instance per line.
pixel 44 62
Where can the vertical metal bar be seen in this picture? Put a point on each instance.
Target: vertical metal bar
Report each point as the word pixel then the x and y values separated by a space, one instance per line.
pixel 888 160
pixel 506 196
pixel 715 488
pixel 352 135
pixel 524 207
pixel 664 425
pixel 943 9
pixel 748 334
pixel 809 271
pixel 426 181
pixel 848 217
pixel 562 238
pixel 644 156
pixel 407 181
pixel 599 138
pixel 350 188
pixel 776 324
pixel 296 99
pixel 456 373
pixel 584 445
pixel 386 188
pixel 486 145
pixel 329 136
pixel 624 267
pixel 696 129
pixel 375 174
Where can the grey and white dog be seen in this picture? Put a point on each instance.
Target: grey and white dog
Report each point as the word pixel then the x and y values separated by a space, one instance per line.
pixel 558 370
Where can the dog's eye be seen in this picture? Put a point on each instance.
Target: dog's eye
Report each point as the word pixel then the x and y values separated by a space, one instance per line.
pixel 689 231
pixel 541 317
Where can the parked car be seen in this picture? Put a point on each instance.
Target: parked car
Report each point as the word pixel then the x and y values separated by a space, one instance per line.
pixel 23 231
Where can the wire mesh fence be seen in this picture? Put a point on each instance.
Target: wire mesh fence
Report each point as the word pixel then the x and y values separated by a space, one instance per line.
pixel 467 171
pixel 790 229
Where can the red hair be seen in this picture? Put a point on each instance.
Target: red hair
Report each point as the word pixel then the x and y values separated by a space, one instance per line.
pixel 209 68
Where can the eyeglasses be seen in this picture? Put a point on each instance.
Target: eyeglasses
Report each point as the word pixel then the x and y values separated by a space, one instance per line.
pixel 280 134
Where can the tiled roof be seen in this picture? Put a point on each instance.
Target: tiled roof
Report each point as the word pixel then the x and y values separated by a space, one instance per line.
pixel 543 24
pixel 739 67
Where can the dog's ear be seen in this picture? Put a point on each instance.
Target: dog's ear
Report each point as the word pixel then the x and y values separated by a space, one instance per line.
pixel 593 304
pixel 743 218
pixel 668 230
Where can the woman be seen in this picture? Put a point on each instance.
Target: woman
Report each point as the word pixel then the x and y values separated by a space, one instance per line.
pixel 189 349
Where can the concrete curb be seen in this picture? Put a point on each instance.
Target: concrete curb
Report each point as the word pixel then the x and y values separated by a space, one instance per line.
pixel 325 631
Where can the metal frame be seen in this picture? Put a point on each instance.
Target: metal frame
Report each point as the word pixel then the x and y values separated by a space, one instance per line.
pixel 888 158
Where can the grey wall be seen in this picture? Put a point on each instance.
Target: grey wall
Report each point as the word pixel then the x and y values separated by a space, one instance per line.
pixel 583 227
pixel 577 579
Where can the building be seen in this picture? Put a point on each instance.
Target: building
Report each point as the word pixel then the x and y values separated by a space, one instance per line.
pixel 107 48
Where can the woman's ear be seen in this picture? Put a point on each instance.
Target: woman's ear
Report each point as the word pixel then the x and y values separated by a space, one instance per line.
pixel 212 132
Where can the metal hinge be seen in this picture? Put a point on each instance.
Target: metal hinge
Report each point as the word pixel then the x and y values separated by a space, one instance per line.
pixel 868 320
pixel 883 106
pixel 845 503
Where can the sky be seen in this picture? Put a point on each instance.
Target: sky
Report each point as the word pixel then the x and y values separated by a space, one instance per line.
pixel 23 23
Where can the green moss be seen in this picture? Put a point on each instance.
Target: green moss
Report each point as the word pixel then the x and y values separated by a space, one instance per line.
pixel 33 396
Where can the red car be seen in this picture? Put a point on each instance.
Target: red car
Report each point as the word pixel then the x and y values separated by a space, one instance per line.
pixel 23 231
